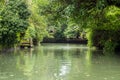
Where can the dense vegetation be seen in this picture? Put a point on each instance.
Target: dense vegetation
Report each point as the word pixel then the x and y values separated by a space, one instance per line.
pixel 19 20
pixel 13 23
pixel 100 19
pixel 36 19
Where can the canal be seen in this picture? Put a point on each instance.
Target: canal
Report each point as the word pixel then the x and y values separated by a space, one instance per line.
pixel 59 62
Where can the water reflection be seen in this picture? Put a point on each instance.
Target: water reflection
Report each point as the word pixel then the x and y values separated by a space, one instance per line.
pixel 59 62
pixel 25 61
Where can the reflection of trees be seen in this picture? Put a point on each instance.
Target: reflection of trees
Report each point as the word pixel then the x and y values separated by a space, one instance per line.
pixel 63 63
pixel 88 58
pixel 81 64
pixel 75 52
pixel 25 61
pixel 8 70
pixel 52 63
pixel 73 62
pixel 59 53
pixel 45 63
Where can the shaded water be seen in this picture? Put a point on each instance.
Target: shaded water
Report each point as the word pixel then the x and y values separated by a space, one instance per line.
pixel 59 62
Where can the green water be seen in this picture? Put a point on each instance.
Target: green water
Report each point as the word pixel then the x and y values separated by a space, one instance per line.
pixel 59 62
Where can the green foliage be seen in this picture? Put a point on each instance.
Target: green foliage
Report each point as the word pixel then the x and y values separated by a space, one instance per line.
pixel 72 31
pixel 2 2
pixel 108 40
pixel 101 17
pixel 110 46
pixel 13 22
pixel 112 14
pixel 59 34
pixel 37 28
pixel 114 2
pixel 89 36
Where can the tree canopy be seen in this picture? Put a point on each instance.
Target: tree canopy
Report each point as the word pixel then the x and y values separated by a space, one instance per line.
pixel 14 22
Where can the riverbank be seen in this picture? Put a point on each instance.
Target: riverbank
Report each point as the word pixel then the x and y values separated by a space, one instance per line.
pixel 53 40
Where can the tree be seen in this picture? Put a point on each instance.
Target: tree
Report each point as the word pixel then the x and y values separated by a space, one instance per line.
pixel 13 23
pixel 37 29
pixel 72 31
